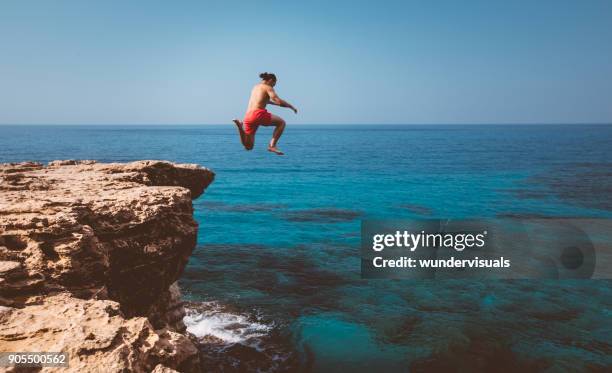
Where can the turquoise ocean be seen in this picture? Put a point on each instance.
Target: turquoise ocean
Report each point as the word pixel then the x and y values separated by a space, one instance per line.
pixel 274 283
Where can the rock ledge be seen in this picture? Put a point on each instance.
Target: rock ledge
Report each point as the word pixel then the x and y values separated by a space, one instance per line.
pixel 89 257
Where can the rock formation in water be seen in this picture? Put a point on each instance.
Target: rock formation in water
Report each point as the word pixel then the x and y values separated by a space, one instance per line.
pixel 89 258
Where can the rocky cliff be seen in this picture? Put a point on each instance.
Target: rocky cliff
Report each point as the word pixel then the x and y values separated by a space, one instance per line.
pixel 89 258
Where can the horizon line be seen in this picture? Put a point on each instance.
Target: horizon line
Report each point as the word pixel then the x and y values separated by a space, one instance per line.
pixel 319 124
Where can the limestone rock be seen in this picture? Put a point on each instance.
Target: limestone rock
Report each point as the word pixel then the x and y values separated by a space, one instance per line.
pixel 95 335
pixel 93 232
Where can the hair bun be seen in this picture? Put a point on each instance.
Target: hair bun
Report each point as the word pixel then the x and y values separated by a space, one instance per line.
pixel 267 76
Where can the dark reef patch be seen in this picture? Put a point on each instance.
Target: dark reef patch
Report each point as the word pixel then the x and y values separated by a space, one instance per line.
pixel 529 215
pixel 417 209
pixel 586 184
pixel 322 215
pixel 249 207
pixel 398 330
pixel 295 276
pixel 524 190
pixel 486 353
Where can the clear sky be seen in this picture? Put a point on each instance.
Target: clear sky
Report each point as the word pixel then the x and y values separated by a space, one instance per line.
pixel 337 61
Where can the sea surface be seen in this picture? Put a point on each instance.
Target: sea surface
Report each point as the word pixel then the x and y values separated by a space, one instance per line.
pixel 274 284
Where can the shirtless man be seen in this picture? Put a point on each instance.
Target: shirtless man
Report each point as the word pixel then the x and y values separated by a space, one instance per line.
pixel 257 115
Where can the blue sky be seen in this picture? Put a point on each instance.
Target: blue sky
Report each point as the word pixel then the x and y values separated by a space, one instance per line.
pixel 190 62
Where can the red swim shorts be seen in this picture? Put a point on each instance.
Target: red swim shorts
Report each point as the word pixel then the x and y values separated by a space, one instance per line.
pixel 255 118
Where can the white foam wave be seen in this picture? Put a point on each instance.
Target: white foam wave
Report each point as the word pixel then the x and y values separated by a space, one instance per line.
pixel 211 320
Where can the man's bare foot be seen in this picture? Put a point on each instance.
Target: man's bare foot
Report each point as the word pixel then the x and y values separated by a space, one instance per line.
pixel 238 123
pixel 274 149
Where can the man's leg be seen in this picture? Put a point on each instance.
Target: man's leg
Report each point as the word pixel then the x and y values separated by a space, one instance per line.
pixel 279 124
pixel 247 140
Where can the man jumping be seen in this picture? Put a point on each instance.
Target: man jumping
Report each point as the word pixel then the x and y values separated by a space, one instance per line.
pixel 262 94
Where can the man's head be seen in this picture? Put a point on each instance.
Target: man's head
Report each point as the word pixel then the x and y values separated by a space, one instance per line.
pixel 268 78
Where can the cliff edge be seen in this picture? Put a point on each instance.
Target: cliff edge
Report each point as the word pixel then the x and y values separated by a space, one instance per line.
pixel 89 258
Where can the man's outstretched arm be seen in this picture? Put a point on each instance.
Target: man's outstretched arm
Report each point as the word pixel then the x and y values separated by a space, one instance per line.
pixel 275 100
